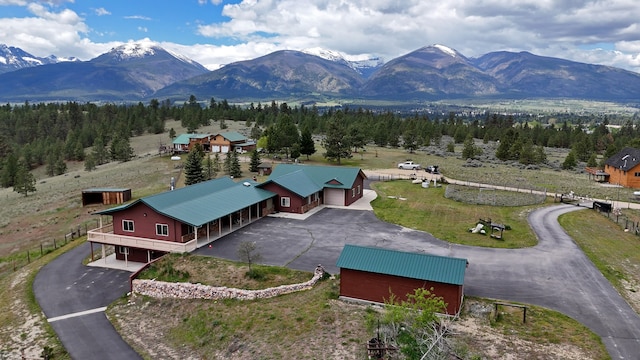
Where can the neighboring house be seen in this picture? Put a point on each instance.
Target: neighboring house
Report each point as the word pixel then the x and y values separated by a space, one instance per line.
pixel 231 141
pixel 181 143
pixel 265 168
pixel 300 188
pixel 105 196
pixel 203 139
pixel 623 168
pixel 370 274
pixel 181 220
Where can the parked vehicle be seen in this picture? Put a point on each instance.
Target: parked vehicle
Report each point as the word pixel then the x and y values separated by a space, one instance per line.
pixel 433 169
pixel 408 165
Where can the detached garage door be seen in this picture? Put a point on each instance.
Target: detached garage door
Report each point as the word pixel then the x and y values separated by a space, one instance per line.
pixel 215 148
pixel 334 197
pixel 224 149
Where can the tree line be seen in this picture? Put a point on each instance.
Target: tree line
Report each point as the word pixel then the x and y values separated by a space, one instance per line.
pixel 51 134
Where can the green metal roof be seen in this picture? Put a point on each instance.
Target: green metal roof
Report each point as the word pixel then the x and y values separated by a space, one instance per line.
pixel 182 139
pixel 233 136
pixel 304 180
pixel 435 268
pixel 201 203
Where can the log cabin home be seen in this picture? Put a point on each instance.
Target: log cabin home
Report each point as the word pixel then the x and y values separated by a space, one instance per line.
pixel 623 168
pixel 231 141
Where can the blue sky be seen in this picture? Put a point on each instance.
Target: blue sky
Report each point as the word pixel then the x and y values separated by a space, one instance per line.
pixel 218 32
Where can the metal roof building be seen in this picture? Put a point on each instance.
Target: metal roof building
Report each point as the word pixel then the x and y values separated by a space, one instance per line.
pixel 369 273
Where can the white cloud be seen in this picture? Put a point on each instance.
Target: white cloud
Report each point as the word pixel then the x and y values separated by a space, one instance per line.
pixel 137 17
pixel 392 28
pixel 142 29
pixel 102 11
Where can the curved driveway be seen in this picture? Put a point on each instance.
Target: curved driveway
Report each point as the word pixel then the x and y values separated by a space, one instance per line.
pixel 73 298
pixel 554 274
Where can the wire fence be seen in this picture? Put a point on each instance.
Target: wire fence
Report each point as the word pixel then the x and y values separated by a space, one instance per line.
pixel 20 259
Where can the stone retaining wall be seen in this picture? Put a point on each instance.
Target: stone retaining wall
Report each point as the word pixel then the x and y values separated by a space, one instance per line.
pixel 162 289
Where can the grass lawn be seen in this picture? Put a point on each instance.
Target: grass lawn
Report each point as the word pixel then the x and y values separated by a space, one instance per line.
pixel 428 210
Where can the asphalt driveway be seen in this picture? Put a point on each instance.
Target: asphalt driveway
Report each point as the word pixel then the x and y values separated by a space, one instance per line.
pixel 554 274
pixel 73 297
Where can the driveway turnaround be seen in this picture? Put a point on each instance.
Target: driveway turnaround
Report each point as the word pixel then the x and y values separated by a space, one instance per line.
pixel 554 274
pixel 73 297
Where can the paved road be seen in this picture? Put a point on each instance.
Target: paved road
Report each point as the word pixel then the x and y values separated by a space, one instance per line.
pixel 554 274
pixel 73 297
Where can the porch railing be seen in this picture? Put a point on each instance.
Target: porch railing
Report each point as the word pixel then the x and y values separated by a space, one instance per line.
pixel 105 235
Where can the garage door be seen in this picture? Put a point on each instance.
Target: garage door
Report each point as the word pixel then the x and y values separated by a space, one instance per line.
pixel 225 149
pixel 215 148
pixel 334 196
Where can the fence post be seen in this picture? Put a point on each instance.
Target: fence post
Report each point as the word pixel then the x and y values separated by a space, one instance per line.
pixel 41 253
pixel 28 257
pixel 54 243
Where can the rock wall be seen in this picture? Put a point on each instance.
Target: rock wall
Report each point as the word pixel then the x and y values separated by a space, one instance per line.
pixel 162 289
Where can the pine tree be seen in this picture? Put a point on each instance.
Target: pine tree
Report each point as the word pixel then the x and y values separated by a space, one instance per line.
pixel 570 161
pixel 307 145
pixel 89 163
pixel 193 166
pixel 255 161
pixel 226 166
pixel 208 168
pixel 25 181
pixel 336 141
pixel 234 167
pixel 216 163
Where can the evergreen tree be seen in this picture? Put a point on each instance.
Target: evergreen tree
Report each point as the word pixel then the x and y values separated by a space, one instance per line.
pixel 99 151
pixel 193 166
pixel 593 160
pixel 570 161
pixel 255 161
pixel 216 164
pixel 527 155
pixel 410 140
pixel 209 171
pixel 469 149
pixel 25 181
pixel 9 170
pixel 307 145
pixel 336 141
pixel 89 163
pixel 226 166
pixel 234 166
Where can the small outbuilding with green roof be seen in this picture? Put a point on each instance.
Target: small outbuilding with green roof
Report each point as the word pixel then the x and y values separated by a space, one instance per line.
pixel 371 273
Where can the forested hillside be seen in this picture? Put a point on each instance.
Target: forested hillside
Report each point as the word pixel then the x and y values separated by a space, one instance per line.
pixel 51 134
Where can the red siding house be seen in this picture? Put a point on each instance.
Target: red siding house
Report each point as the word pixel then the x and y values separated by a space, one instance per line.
pixel 181 220
pixel 303 187
pixel 369 274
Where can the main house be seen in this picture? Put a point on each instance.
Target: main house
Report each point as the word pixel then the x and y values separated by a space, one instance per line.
pixel 215 143
pixel 623 168
pixel 185 219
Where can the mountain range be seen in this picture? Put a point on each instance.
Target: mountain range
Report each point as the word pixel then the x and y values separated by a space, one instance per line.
pixel 141 71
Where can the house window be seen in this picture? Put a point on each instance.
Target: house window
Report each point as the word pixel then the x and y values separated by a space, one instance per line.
pixel 285 201
pixel 162 229
pixel 358 189
pixel 123 250
pixel 637 174
pixel 127 225
pixel 353 192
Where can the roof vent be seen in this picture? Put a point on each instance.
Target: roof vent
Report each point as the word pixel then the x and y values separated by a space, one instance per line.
pixel 246 183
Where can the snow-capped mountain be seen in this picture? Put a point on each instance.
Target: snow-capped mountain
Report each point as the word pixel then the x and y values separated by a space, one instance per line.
pixel 137 50
pixel 364 65
pixel 13 58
